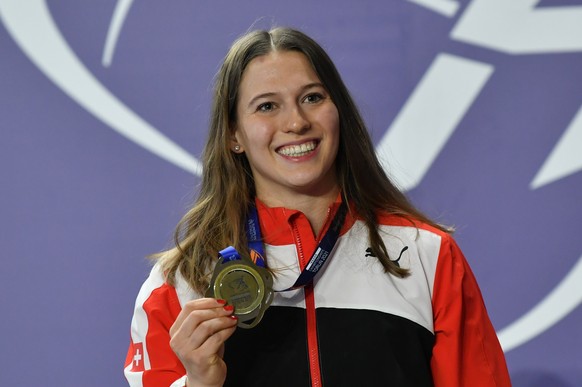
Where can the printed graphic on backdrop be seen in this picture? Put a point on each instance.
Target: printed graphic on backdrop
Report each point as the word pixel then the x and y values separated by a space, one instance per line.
pixel 485 43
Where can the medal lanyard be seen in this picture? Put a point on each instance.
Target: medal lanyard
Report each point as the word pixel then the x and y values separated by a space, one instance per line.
pixel 317 260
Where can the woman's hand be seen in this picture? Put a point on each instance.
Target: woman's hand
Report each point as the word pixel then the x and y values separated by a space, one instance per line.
pixel 197 337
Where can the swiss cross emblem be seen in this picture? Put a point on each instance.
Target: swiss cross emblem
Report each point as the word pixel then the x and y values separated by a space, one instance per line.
pixel 137 362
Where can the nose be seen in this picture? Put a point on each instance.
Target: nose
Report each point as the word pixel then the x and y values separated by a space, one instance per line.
pixel 298 120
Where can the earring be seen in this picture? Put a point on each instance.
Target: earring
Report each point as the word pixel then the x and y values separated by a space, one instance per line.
pixel 237 148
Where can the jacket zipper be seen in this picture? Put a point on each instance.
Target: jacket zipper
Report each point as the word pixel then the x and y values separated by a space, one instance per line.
pixel 308 291
pixel 312 345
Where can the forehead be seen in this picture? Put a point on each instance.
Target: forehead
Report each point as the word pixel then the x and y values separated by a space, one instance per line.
pixel 276 71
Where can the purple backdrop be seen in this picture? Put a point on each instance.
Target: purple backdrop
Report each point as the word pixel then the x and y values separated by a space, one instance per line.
pixel 475 107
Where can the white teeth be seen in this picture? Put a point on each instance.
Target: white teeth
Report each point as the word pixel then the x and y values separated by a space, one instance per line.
pixel 297 150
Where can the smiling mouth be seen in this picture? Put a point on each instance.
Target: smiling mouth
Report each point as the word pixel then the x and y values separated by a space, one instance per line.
pixel 297 150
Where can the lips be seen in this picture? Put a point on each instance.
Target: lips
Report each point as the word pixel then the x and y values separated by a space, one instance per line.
pixel 297 150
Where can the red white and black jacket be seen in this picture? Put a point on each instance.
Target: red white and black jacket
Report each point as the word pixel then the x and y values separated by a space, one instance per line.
pixel 354 326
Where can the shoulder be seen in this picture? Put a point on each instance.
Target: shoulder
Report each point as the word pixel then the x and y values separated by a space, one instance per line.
pixel 157 293
pixel 429 249
pixel 388 219
pixel 418 231
pixel 414 231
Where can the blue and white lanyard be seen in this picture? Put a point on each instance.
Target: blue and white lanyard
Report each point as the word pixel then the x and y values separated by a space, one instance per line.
pixel 317 260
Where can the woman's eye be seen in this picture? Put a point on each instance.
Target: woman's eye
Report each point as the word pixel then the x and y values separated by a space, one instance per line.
pixel 313 98
pixel 265 107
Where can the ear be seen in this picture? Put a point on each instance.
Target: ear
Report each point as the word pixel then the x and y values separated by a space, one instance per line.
pixel 235 145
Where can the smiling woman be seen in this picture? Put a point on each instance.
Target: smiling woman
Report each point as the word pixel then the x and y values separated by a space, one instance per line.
pixel 361 288
pixel 288 126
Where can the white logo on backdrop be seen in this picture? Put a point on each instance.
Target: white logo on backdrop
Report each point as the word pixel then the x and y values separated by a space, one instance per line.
pixel 48 50
pixel 513 27
pixel 432 112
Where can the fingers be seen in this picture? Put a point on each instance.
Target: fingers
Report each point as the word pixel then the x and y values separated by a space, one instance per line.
pixel 198 335
pixel 214 342
pixel 200 325
pixel 191 306
pixel 203 345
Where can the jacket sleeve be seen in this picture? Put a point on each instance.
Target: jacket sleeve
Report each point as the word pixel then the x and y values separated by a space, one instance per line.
pixel 466 351
pixel 150 361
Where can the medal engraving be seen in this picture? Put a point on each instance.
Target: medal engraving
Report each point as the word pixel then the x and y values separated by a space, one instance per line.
pixel 245 286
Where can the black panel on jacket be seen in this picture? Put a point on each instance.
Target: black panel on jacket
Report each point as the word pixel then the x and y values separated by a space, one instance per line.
pixel 371 348
pixel 356 347
pixel 276 347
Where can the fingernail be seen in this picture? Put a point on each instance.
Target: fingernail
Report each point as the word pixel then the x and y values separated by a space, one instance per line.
pixel 221 301
pixel 232 316
pixel 229 308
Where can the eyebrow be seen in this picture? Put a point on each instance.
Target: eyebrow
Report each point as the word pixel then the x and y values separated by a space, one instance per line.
pixel 270 94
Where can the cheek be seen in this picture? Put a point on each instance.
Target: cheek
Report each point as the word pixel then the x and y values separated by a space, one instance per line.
pixel 331 122
pixel 261 130
pixel 254 135
pixel 334 130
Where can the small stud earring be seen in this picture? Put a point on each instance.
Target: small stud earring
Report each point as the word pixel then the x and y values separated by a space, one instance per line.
pixel 237 148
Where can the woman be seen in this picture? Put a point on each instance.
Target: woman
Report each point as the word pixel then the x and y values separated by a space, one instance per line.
pixel 395 304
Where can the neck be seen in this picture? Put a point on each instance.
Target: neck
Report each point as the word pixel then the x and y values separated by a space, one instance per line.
pixel 313 206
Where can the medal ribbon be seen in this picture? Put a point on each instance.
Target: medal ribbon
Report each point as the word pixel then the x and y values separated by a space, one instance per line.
pixel 317 260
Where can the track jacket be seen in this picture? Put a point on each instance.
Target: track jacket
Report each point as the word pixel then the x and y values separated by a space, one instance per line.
pixel 354 325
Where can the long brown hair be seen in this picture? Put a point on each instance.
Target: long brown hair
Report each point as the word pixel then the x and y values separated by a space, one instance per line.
pixel 227 188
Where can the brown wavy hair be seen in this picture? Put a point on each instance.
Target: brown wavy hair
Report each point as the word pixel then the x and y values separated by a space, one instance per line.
pixel 217 218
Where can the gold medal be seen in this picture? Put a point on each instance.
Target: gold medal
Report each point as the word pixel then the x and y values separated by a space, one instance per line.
pixel 244 285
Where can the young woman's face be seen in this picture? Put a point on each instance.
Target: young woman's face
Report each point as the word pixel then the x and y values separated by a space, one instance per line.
pixel 287 125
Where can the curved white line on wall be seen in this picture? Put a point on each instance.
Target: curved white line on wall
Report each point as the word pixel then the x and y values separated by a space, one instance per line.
pixel 562 300
pixel 119 15
pixel 430 116
pixel 566 157
pixel 446 8
pixel 518 27
pixel 31 25
pixel 423 127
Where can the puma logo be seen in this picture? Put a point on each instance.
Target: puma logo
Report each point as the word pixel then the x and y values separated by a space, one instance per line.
pixel 370 253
